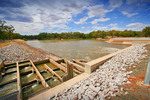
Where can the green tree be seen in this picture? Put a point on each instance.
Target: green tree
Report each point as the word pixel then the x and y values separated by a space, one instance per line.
pixel 146 31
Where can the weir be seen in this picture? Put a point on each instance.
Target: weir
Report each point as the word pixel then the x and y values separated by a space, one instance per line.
pixel 53 72
pixel 40 76
pixel 35 76
pixel 85 70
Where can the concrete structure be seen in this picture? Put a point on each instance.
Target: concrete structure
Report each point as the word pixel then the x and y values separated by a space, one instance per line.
pixel 128 41
pixel 48 93
pixel 94 64
pixel 44 83
pixel 53 73
pixel 147 76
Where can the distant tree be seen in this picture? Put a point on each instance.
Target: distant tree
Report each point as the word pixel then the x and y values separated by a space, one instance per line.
pixel 146 31
pixel 5 31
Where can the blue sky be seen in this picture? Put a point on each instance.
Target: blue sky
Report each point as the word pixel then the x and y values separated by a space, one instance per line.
pixel 35 16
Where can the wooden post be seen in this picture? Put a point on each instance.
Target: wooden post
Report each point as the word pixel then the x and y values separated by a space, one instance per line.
pixel 19 86
pixel 69 70
pixel 78 62
pixel 58 65
pixel 69 74
pixel 40 76
pixel 53 72
pixel 78 67
pixel 76 71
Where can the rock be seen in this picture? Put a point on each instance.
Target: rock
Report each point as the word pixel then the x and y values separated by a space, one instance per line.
pixel 126 93
pixel 104 82
pixel 97 89
pixel 121 89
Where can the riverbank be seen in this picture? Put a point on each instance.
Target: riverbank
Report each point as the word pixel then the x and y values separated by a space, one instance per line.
pixel 18 50
pixel 128 40
pixel 107 81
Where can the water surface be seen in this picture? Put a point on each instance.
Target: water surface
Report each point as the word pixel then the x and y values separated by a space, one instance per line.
pixel 78 49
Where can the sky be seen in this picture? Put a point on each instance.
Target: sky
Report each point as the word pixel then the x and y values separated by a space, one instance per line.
pixel 30 17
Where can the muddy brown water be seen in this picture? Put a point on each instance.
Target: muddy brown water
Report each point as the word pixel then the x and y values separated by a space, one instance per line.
pixel 78 49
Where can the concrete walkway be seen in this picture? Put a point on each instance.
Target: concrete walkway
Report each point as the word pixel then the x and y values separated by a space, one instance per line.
pixel 46 94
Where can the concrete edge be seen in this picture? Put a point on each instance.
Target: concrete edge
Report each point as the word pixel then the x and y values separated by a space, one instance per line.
pixel 94 64
pixel 49 93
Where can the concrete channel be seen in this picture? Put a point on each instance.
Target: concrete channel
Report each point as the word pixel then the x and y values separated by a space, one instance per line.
pixel 28 78
pixel 88 68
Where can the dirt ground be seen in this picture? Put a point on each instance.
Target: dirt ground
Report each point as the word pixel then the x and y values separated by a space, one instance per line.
pixel 6 43
pixel 135 89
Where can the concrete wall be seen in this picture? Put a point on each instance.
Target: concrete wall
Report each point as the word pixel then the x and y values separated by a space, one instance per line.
pixel 94 64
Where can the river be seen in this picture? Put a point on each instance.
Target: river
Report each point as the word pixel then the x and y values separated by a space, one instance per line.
pixel 76 49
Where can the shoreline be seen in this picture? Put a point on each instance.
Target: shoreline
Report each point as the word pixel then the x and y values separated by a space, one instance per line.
pixel 20 51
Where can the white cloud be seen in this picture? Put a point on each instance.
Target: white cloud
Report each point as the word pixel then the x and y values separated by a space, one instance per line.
pixel 115 24
pixel 115 3
pixel 136 26
pixel 95 11
pixel 82 27
pixel 100 20
pixel 99 28
pixel 82 20
pixel 117 28
pixel 128 14
pixel 47 13
pixel 85 31
pixel 26 27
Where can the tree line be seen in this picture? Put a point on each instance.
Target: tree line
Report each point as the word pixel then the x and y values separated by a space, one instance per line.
pixel 7 33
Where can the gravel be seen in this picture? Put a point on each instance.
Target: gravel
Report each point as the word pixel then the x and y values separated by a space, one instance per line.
pixel 16 52
pixel 104 81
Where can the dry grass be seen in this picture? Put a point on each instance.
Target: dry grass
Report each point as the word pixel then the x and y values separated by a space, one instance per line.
pixel 6 43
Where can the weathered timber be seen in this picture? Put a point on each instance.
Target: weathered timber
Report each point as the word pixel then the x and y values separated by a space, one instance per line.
pixel 82 60
pixel 48 78
pixel 19 86
pixel 40 62
pixel 53 72
pixel 40 76
pixel 58 65
pixel 76 71
pixel 69 74
pixel 31 82
pixel 78 62
pixel 27 72
pixel 3 74
pixel 78 67
pixel 7 82
pixel 69 70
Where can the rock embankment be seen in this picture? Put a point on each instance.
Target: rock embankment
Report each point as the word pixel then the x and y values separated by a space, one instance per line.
pixel 16 52
pixel 106 80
